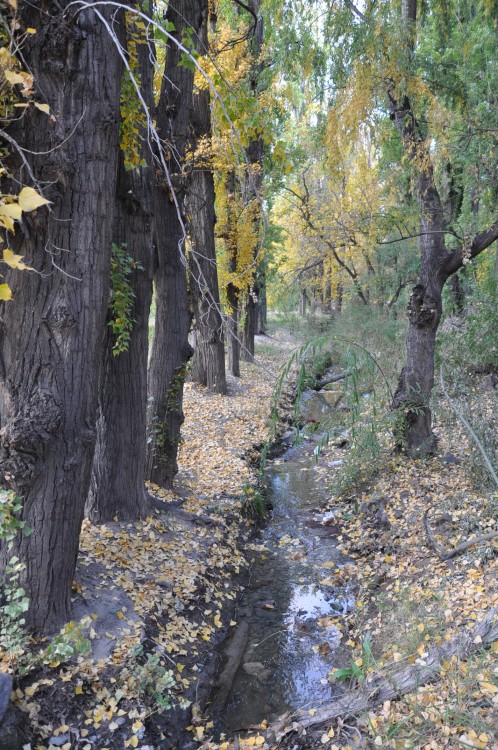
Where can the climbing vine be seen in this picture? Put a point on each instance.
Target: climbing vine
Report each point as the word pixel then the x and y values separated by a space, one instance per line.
pixel 122 297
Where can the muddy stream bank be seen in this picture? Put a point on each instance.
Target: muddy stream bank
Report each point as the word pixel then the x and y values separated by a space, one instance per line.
pixel 286 642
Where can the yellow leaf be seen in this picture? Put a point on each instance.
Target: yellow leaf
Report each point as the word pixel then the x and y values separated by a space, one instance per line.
pixel 7 222
pixel 31 690
pixel 13 78
pixel 134 741
pixel 260 740
pixel 43 107
pixel 78 690
pixel 488 687
pixel 199 733
pixel 14 261
pixel 5 295
pixel 11 209
pixel 421 627
pixel 29 199
pixel 30 30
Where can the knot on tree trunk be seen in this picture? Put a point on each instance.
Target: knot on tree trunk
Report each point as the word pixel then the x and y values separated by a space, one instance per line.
pixel 422 307
pixel 23 440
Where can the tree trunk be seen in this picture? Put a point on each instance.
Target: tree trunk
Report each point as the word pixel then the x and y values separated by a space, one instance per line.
pixel 424 313
pixel 262 324
pixel 232 291
pixel 208 365
pixel 171 350
pixel 51 337
pixel 437 264
pixel 303 301
pixel 233 331
pixel 250 326
pixel 117 488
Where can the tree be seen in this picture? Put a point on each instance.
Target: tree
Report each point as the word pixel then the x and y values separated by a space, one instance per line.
pixel 437 263
pixel 208 364
pixel 171 350
pixel 51 337
pixel 117 488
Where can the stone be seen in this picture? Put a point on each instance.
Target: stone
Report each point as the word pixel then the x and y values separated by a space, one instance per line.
pixel 5 691
pixel 253 668
pixel 449 458
pixel 14 729
pixel 58 741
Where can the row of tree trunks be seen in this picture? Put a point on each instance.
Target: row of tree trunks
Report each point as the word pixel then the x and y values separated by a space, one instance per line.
pixel 52 332
pixel 208 364
pixel 171 350
pixel 117 488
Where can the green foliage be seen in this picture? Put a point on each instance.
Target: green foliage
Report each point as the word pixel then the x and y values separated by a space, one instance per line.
pixel 359 669
pixel 122 297
pixel 71 641
pixel 147 678
pixel 13 636
pixel 133 120
pixel 254 503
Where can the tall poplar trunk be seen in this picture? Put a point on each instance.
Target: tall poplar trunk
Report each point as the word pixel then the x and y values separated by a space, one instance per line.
pixel 117 488
pixel 254 182
pixel 51 335
pixel 250 326
pixel 233 292
pixel 171 350
pixel 208 363
pixel 262 324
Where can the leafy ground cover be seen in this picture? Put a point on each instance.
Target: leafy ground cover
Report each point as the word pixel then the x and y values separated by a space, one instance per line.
pixel 153 598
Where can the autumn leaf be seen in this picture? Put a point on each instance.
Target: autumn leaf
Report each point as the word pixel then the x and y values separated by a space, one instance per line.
pixel 29 199
pixel 14 261
pixel 5 292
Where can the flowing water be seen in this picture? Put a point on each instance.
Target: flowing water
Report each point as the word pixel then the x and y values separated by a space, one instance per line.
pixel 285 642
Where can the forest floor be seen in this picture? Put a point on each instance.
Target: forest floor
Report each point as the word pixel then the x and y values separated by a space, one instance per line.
pixel 160 595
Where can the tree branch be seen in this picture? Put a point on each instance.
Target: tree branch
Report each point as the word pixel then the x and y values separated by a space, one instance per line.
pixel 449 554
pixel 481 242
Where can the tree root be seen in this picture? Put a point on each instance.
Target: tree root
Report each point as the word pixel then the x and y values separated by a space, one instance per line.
pixel 377 688
pixel 448 554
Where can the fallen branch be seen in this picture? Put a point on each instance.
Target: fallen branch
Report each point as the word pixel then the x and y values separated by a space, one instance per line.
pixel 448 554
pixel 333 379
pixel 378 688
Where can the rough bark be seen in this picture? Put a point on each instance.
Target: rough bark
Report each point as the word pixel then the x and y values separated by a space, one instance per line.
pixel 171 350
pixel 208 364
pixel 250 325
pixel 262 325
pixel 51 335
pixel 437 264
pixel 254 182
pixel 233 292
pixel 233 331
pixel 117 487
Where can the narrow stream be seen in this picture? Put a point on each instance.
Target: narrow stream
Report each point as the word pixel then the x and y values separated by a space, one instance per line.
pixel 286 642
